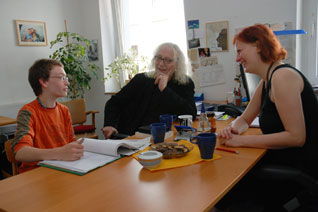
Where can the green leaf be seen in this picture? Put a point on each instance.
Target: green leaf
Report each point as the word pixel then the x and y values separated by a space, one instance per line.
pixel 73 57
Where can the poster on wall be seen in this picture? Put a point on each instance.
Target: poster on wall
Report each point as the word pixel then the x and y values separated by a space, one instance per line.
pixel 208 61
pixel 193 42
pixel 92 51
pixel 204 52
pixel 210 75
pixel 217 36
pixel 31 33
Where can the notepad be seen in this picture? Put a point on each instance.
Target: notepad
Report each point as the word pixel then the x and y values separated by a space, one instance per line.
pixel 255 122
pixel 98 153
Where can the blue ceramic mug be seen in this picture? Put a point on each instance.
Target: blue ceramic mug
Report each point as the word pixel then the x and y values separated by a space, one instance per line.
pixel 206 143
pixel 168 120
pixel 158 131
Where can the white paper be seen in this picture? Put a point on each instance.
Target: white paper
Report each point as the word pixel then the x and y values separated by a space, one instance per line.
pixel 88 162
pixel 211 75
pixel 218 115
pixel 255 122
pixel 110 147
pixel 198 33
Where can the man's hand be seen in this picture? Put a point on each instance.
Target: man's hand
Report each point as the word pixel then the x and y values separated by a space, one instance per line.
pixel 161 80
pixel 108 131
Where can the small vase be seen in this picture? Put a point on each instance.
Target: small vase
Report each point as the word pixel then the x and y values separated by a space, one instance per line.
pixel 238 100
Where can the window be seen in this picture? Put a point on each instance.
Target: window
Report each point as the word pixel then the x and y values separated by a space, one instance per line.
pixel 144 24
pixel 148 23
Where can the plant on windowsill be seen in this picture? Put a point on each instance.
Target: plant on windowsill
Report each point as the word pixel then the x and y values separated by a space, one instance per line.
pixel 127 65
pixel 72 54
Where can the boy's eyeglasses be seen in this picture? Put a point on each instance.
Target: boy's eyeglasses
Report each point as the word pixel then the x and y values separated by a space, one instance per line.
pixel 64 78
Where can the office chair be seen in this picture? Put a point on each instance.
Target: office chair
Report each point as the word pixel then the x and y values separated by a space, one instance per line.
pixel 78 113
pixel 307 199
pixel 11 158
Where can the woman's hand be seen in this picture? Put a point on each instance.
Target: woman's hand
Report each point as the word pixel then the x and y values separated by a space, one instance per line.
pixel 227 132
pixel 234 141
pixel 229 137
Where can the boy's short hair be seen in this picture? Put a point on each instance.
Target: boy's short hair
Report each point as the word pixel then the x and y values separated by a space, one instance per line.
pixel 41 69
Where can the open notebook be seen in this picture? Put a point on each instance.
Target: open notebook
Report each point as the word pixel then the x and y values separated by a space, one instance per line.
pixel 98 153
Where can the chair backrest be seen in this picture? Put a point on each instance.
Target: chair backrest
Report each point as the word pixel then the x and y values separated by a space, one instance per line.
pixel 77 109
pixel 11 158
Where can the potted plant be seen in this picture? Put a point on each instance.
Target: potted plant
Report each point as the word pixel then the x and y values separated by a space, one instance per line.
pixel 72 54
pixel 128 64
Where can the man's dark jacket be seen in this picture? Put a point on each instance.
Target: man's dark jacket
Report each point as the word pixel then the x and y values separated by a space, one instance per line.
pixel 141 103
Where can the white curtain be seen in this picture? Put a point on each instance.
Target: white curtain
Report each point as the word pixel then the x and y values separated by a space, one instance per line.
pixel 147 23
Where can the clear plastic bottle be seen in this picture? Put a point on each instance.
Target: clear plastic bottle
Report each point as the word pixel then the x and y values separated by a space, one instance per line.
pixel 203 120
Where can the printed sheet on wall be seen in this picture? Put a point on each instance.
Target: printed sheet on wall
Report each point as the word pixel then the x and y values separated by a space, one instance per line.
pixel 211 75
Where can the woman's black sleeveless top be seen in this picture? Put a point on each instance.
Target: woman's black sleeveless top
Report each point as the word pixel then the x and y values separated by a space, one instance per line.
pixel 306 157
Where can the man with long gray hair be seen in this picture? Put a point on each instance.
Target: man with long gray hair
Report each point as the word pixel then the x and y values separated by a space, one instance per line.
pixel 166 89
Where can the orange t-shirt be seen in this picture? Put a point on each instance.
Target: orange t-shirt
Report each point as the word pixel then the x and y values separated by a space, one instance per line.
pixel 43 128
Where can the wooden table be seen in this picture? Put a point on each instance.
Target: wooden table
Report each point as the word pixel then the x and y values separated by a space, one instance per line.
pixel 125 186
pixel 6 121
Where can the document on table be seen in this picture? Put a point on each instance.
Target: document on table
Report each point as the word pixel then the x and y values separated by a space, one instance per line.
pixel 255 122
pixel 98 153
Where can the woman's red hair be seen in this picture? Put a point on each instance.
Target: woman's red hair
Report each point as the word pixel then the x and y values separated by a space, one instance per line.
pixel 270 48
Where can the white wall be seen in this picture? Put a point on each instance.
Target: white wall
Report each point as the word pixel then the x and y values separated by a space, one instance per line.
pixel 98 25
pixel 239 14
pixel 82 17
pixel 15 60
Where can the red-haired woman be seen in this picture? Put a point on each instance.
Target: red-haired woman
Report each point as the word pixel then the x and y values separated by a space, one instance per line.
pixel 287 108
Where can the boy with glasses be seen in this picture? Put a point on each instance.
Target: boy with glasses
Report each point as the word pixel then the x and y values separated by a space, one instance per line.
pixel 166 89
pixel 44 127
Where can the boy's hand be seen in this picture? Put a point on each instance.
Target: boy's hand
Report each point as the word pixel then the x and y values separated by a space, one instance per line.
pixel 80 140
pixel 72 151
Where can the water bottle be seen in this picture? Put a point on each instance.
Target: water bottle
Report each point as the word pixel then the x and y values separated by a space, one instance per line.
pixel 203 120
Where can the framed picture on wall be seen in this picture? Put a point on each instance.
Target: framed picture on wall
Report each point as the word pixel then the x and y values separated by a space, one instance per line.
pixel 31 33
pixel 217 36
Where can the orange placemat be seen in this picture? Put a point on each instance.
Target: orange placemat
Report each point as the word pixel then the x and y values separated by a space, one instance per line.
pixel 192 157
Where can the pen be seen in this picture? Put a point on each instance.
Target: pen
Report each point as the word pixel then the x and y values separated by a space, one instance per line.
pixel 227 150
pixel 80 141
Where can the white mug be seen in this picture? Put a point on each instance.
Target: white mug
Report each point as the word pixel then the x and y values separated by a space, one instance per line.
pixel 185 120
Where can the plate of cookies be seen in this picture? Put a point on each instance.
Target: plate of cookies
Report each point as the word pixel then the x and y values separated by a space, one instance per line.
pixel 172 149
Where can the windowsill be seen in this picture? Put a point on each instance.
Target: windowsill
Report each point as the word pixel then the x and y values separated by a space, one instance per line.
pixel 110 93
